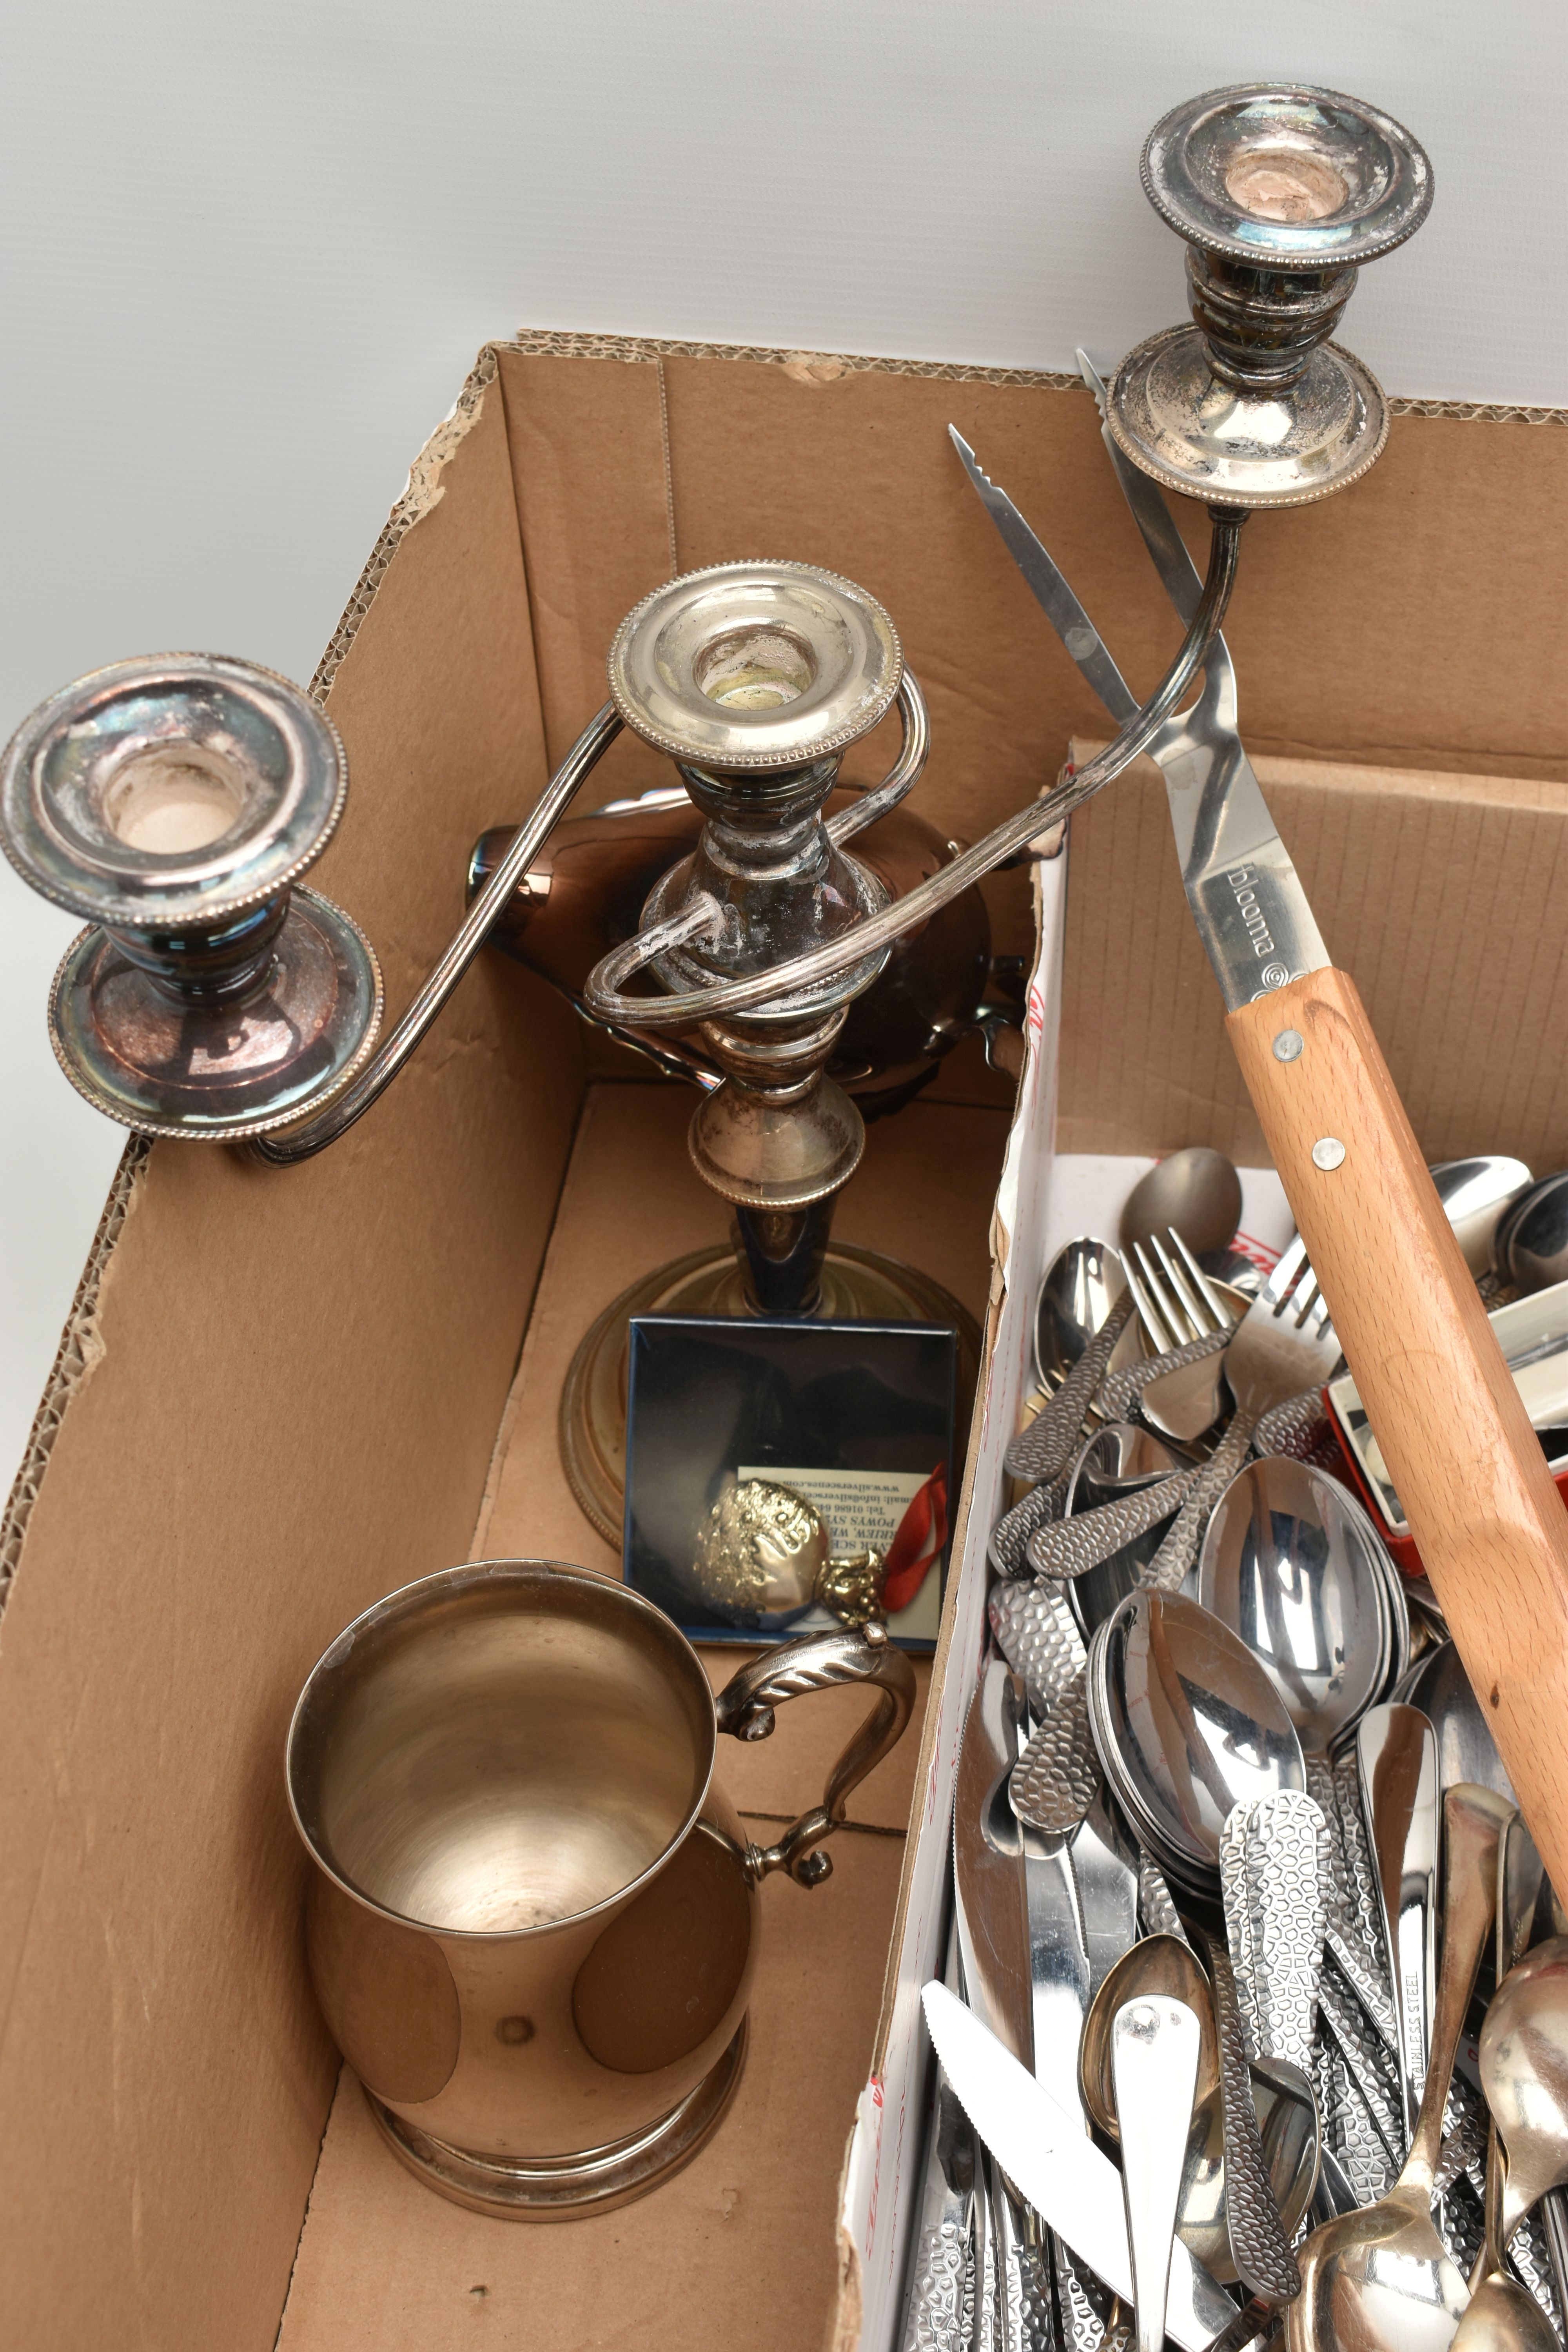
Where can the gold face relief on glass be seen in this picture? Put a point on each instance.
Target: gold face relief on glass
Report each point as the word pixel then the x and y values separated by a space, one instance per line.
pixel 765 1551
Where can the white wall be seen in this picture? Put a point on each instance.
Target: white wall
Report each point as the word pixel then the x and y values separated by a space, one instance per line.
pixel 250 252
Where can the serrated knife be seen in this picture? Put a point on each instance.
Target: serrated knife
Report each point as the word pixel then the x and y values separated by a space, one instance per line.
pixel 1451 1424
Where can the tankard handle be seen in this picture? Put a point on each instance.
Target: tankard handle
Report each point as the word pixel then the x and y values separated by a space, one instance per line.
pixel 819 1662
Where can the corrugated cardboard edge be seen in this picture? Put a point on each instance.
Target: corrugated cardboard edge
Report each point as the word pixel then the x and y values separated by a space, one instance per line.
pixel 826 367
pixel 80 1353
pixel 424 491
pixel 82 1348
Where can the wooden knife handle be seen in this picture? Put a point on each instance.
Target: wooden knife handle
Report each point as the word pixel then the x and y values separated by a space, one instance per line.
pixel 1482 1506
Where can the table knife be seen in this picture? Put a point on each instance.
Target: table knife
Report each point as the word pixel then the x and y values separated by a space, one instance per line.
pixel 938 2315
pixel 1452 1426
pixel 990 1913
pixel 992 1929
pixel 1065 2177
pixel 1082 1904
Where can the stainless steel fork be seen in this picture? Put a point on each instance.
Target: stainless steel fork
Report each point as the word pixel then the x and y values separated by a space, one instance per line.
pixel 1283 1346
pixel 1184 1315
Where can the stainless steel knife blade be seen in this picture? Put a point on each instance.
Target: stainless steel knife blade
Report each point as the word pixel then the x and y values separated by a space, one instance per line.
pixel 988 1862
pixel 1048 589
pixel 1248 902
pixel 1083 1915
pixel 1072 2187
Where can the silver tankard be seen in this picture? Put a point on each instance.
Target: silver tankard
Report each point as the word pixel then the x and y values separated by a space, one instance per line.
pixel 532 1920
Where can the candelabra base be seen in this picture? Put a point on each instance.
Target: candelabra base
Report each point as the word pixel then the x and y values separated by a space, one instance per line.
pixel 857 1285
pixel 164 1064
pixel 1176 419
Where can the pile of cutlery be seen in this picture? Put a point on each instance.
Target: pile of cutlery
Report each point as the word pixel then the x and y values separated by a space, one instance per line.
pixel 1216 1771
pixel 1254 2026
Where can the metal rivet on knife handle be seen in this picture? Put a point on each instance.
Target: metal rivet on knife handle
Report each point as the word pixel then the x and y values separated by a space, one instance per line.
pixel 1288 1045
pixel 1327 1153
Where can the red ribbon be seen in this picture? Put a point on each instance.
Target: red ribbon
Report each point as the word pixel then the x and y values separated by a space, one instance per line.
pixel 921 1540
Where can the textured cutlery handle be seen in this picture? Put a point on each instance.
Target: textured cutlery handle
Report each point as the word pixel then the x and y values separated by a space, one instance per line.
pixel 1273 1861
pixel 1057 1777
pixel 1299 1427
pixel 1025 2321
pixel 1257 2241
pixel 1010 1536
pixel 1179 1548
pixel 941 2315
pixel 1068 1548
pixel 1120 1392
pixel 1044 1448
pixel 1451 1424
pixel 1160 1917
pixel 1038 1635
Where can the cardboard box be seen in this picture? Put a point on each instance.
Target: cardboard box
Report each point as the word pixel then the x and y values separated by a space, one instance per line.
pixel 284 1393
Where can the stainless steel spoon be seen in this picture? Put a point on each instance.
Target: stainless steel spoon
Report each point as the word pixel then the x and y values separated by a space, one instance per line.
pixel 1117 1460
pixel 1465 1750
pixel 1396 1756
pixel 1474 1194
pixel 1524 2075
pixel 1154 2067
pixel 1187 1725
pixel 1290 1564
pixel 1073 1353
pixel 1286 2114
pixel 1532 1236
pixel 1159 1966
pixel 1380 2280
pixel 1501 2315
pixel 1082 1284
pixel 1197 1190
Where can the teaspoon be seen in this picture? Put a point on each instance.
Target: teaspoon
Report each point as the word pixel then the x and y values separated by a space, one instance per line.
pixel 1197 1190
pixel 1153 2066
pixel 1161 1966
pixel 1083 1313
pixel 1524 2075
pixel 1501 2315
pixel 1380 2279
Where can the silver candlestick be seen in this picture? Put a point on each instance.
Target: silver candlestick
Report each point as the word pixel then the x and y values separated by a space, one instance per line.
pixel 175 805
pixel 1281 192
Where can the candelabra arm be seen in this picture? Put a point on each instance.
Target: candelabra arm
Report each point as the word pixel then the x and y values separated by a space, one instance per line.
pixel 911 759
pixel 313 1135
pixel 603 991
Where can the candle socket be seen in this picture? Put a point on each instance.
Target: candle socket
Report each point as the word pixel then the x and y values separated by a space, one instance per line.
pixel 1281 192
pixel 175 805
